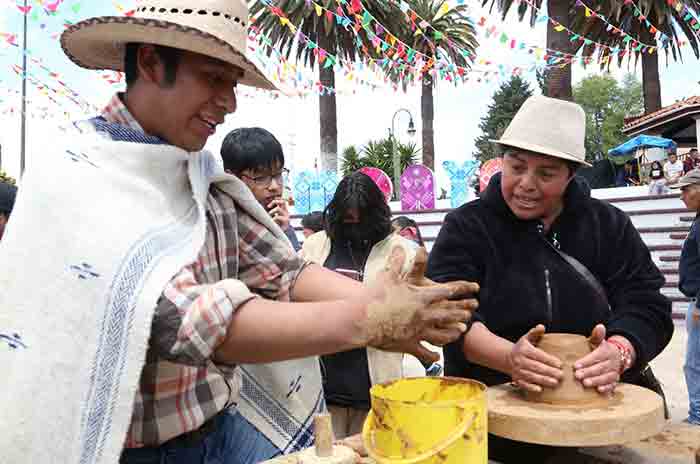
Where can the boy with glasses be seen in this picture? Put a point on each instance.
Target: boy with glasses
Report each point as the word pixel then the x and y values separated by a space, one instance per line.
pixel 256 157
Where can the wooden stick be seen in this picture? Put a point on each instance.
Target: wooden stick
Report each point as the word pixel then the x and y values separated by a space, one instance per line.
pixel 323 435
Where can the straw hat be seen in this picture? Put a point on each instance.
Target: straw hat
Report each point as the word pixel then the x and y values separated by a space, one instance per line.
pixel 548 126
pixel 216 28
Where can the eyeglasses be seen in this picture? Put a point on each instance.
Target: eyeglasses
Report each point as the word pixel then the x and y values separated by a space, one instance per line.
pixel 265 181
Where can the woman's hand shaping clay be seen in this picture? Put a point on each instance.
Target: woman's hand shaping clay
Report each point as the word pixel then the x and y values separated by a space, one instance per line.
pixel 601 368
pixel 406 311
pixel 531 368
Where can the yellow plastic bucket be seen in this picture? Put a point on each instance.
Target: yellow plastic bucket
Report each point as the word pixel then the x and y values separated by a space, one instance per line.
pixel 427 420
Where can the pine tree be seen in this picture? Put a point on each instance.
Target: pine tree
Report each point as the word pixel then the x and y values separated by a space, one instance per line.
pixel 506 102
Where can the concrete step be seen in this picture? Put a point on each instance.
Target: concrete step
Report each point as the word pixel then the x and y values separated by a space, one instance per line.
pixel 670 259
pixel 681 236
pixel 671 229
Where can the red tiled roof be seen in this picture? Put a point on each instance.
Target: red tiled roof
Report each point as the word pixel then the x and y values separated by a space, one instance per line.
pixel 638 120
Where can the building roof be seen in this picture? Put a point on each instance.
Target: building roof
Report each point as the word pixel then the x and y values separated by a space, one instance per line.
pixel 666 112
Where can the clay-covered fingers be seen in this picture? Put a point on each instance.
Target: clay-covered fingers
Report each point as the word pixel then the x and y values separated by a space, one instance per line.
pixel 458 291
pixel 416 276
pixel 422 353
pixel 394 264
pixel 597 336
pixel 445 313
pixel 532 368
pixel 537 373
pixel 531 387
pixel 534 335
pixel 600 368
pixel 442 336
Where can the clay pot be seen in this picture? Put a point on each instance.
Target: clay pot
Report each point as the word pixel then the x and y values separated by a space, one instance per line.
pixel 569 348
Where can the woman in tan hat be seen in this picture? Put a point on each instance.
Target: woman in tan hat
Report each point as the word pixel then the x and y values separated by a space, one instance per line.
pixel 512 242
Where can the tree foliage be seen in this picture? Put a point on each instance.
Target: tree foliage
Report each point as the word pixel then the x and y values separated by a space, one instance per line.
pixel 606 103
pixel 6 178
pixel 325 34
pixel 379 154
pixel 450 40
pixel 506 102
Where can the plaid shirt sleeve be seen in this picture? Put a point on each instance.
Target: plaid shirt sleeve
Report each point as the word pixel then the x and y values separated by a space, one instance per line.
pixel 191 319
pixel 268 265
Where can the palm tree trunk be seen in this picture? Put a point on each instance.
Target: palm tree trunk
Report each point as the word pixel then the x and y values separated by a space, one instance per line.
pixel 427 110
pixel 559 79
pixel 651 84
pixel 327 111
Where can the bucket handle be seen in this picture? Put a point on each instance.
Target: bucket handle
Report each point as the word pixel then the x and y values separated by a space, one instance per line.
pixel 368 440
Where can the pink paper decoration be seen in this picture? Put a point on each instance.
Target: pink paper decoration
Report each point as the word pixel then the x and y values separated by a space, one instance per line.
pixel 382 180
pixel 487 171
pixel 417 188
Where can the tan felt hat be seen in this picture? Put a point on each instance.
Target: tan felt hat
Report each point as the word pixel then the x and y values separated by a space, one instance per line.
pixel 548 126
pixel 215 28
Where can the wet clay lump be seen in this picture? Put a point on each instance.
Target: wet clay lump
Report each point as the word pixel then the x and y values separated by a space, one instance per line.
pixel 568 348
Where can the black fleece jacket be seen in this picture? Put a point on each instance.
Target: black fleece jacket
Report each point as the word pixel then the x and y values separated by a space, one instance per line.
pixel 511 259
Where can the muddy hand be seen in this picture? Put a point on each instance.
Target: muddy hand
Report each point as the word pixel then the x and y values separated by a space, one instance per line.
pixel 404 314
pixel 416 277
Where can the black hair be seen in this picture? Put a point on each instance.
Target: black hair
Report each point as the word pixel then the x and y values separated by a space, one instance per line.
pixel 692 150
pixel 169 56
pixel 313 221
pixel 401 222
pixel 657 163
pixel 251 148
pixel 358 191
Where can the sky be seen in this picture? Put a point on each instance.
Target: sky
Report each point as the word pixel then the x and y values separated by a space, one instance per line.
pixel 363 114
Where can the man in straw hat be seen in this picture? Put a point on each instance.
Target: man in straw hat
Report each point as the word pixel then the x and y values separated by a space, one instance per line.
pixel 152 252
pixel 513 242
pixel 689 285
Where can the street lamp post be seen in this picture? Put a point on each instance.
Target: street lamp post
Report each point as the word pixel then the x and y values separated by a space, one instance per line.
pixel 23 135
pixel 395 153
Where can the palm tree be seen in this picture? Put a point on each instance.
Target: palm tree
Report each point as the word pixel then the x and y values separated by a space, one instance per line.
pixel 324 32
pixel 625 17
pixel 451 37
pixel 379 154
pixel 559 11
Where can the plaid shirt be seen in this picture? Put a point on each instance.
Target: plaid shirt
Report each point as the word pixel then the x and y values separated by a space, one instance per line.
pixel 180 387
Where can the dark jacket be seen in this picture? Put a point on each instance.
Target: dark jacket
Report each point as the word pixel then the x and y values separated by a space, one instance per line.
pixel 484 241
pixel 292 236
pixel 689 266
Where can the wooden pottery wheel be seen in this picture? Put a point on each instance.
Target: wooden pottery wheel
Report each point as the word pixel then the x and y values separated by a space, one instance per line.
pixel 569 414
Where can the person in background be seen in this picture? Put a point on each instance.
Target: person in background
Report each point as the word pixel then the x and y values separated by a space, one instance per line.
pixel 256 157
pixel 657 180
pixel 7 202
pixel 692 161
pixel 408 229
pixel 312 223
pixel 673 169
pixel 689 285
pixel 356 242
pixel 630 176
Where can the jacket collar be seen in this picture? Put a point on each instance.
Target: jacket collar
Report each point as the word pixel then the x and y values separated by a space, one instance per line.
pixel 576 198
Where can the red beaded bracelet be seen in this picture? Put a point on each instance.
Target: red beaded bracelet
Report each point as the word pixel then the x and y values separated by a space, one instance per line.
pixel 625 355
